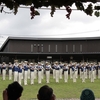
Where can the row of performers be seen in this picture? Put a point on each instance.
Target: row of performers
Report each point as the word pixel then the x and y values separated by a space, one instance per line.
pixel 33 71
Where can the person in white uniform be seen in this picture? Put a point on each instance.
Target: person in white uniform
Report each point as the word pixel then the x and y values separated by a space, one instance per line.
pixel 92 69
pixel 4 66
pixel 22 69
pixel 99 70
pixel 86 74
pixel 10 67
pixel 80 70
pixel 32 67
pixel 47 72
pixel 20 74
pixel 54 71
pixel 89 69
pixel 74 72
pixel 0 69
pixel 28 72
pixel 42 72
pixel 70 70
pixel 65 69
pixel 61 70
pixel 35 71
pixel 57 68
pixel 83 71
pixel 15 71
pixel 39 67
pixel 25 66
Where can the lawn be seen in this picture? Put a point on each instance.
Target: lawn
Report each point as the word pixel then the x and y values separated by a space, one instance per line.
pixel 61 89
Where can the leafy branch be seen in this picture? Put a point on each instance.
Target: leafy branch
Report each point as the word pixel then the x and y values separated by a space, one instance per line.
pixel 54 4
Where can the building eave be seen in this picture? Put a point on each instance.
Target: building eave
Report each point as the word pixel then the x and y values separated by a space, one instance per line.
pixel 27 53
pixel 35 38
pixel 45 39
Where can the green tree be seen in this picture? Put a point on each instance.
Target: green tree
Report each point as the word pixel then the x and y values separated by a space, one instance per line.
pixel 54 4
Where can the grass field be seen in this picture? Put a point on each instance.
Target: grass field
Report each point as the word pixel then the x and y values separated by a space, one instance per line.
pixel 61 89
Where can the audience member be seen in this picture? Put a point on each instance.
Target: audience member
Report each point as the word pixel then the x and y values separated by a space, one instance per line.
pixel 45 93
pixel 87 94
pixel 13 91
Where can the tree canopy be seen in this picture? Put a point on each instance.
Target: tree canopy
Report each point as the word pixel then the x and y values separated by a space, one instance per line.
pixel 92 7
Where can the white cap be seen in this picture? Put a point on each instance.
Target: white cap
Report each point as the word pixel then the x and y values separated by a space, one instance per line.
pixel 39 62
pixel 31 63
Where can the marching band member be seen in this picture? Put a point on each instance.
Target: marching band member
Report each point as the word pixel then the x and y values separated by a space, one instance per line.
pixel 57 68
pixel 92 68
pixel 86 73
pixel 15 71
pixel 74 72
pixel 61 70
pixel 47 70
pixel 89 68
pixel 10 67
pixel 70 70
pixel 77 66
pixel 42 72
pixel 25 66
pixel 32 67
pixel 99 70
pixel 54 71
pixel 0 68
pixel 95 67
pixel 28 73
pixel 83 71
pixel 80 72
pixel 39 67
pixel 20 74
pixel 65 69
pixel 4 66
pixel 35 71
pixel 22 69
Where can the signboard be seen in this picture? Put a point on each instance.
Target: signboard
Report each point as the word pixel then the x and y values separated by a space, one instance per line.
pixel 49 57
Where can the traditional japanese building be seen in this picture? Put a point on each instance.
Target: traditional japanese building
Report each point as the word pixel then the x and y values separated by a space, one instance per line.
pixel 52 49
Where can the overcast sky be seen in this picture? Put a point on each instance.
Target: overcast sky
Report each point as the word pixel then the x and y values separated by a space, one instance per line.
pixel 79 25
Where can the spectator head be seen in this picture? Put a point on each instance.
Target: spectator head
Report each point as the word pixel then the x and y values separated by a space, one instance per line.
pixel 45 93
pixel 14 91
pixel 87 94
